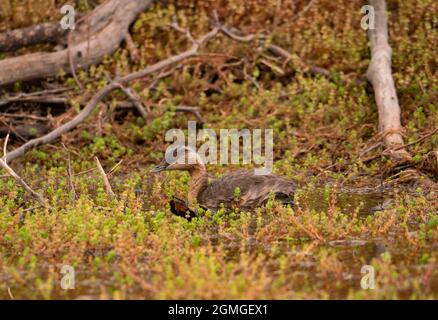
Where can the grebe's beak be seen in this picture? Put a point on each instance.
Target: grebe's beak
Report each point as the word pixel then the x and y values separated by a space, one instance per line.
pixel 158 168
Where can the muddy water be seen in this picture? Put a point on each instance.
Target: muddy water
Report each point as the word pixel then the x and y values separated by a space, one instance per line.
pixel 358 202
pixel 348 201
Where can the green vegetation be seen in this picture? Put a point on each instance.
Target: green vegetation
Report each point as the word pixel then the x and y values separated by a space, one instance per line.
pixel 133 247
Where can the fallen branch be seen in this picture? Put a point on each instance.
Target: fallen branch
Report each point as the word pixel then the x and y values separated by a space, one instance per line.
pixel 388 151
pixel 134 100
pixel 113 169
pixel 13 174
pixel 101 35
pixel 81 116
pixel 132 48
pixel 380 75
pixel 38 96
pixel 49 32
pixel 21 116
pixel 279 51
pixel 70 175
pixel 106 182
pixel 194 110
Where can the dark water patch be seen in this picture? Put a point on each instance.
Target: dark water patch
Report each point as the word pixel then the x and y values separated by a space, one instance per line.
pixel 364 203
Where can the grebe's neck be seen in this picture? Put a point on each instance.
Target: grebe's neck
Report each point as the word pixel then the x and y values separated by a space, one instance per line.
pixel 198 182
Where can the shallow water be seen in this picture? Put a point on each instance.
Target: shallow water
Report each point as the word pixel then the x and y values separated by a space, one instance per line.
pixel 365 203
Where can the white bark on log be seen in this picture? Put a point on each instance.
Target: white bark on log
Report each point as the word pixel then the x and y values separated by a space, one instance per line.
pixel 380 75
pixel 108 24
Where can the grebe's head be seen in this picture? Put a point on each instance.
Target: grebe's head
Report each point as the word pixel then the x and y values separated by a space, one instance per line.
pixel 181 158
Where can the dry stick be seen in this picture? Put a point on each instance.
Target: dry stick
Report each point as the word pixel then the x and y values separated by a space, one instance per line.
pixel 26 116
pixel 71 62
pixel 380 75
pixel 135 101
pixel 402 146
pixel 13 130
pixel 81 116
pixel 418 140
pixel 109 23
pixel 69 53
pixel 163 75
pixel 248 77
pixel 85 171
pixel 132 48
pixel 288 56
pixel 5 146
pixel 114 168
pixel 305 9
pixel 11 172
pixel 33 95
pixel 194 110
pixel 274 48
pixel 10 294
pixel 106 182
pixel 70 175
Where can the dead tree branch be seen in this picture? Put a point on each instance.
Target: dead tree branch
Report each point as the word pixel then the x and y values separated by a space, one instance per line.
pixel 194 110
pixel 81 116
pixel 13 174
pixel 106 182
pixel 100 35
pixel 132 48
pixel 380 75
pixel 279 51
pixel 135 100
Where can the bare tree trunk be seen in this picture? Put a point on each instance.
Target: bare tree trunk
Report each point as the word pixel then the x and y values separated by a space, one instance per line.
pixel 380 75
pixel 98 36
pixel 49 32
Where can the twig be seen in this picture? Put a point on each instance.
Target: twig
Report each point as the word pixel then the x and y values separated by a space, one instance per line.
pixel 305 9
pixel 4 165
pixel 10 294
pixel 27 116
pixel 81 116
pixel 12 173
pixel 248 77
pixel 71 62
pixel 45 96
pixel 132 48
pixel 194 110
pixel 70 56
pixel 273 48
pixel 135 100
pixel 5 146
pixel 416 141
pixel 388 151
pixel 13 130
pixel 162 75
pixel 85 171
pixel 70 175
pixel 106 182
pixel 187 32
pixel 114 168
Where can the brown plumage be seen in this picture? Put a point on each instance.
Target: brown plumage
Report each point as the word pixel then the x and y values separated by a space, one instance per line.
pixel 254 190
